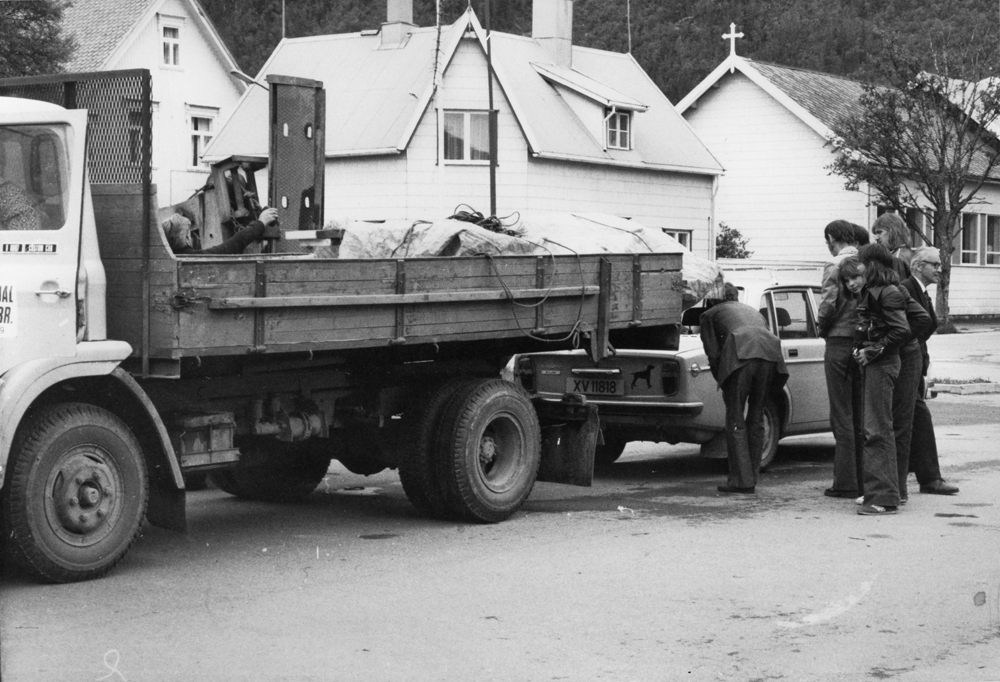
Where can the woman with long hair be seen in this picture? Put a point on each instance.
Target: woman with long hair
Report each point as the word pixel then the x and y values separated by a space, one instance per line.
pixel 890 230
pixel 846 379
pixel 882 329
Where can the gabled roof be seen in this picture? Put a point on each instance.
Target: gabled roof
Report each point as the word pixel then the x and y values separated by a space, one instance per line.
pixel 376 97
pixel 818 99
pixel 103 28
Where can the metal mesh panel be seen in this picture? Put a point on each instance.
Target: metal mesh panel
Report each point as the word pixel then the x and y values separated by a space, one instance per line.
pixel 119 118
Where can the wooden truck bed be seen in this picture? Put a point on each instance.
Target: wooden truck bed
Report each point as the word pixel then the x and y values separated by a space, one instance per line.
pixel 234 305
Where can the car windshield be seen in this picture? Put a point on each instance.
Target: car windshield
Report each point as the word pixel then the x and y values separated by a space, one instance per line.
pixel 34 187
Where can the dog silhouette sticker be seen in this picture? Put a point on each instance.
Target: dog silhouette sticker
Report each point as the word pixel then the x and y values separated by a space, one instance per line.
pixel 644 375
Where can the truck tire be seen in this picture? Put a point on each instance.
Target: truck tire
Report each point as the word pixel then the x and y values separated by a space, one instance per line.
pixel 417 468
pixel 271 470
pixel 489 449
pixel 607 454
pixel 76 493
pixel 772 434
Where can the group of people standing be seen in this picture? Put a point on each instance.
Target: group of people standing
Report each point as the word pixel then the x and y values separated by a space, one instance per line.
pixel 876 317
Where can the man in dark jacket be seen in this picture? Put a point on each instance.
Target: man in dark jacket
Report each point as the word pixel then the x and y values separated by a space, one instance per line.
pixel 178 231
pixel 926 269
pixel 747 363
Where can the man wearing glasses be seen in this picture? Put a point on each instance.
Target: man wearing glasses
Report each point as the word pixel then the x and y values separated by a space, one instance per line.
pixel 925 269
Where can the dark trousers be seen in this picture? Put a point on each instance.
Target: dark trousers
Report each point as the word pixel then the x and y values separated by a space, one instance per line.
pixel 747 387
pixel 904 400
pixel 846 389
pixel 881 479
pixel 923 450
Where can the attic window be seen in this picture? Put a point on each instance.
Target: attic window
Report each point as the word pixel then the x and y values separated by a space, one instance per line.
pixel 170 41
pixel 466 137
pixel 619 125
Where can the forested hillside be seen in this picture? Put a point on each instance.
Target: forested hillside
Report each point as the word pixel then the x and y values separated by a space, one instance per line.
pixel 677 41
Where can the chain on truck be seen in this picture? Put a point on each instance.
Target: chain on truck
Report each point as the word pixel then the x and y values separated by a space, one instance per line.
pixel 124 368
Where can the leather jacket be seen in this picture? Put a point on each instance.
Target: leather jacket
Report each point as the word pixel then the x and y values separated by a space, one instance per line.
pixel 882 326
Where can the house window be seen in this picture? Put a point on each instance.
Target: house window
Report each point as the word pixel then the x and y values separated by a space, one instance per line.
pixel 619 129
pixel 466 136
pixel 992 240
pixel 134 136
pixel 171 45
pixel 201 135
pixel 682 236
pixel 970 239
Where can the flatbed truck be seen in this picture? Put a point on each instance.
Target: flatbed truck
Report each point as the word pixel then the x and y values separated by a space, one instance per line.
pixel 124 367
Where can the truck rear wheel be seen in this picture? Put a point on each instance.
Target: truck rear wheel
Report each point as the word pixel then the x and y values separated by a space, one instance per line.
pixel 417 470
pixel 271 470
pixel 76 493
pixel 489 449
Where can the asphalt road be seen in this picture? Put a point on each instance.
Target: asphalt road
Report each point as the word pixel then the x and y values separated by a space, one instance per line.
pixel 648 575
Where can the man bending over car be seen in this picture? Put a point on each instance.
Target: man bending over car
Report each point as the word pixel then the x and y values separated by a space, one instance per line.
pixel 746 361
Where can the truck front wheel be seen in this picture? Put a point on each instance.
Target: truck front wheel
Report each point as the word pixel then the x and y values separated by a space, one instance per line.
pixel 489 445
pixel 76 493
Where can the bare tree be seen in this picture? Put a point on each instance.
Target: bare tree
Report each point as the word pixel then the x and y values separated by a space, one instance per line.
pixel 921 137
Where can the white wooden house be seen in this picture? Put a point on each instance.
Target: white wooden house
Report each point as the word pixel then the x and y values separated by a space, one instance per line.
pixel 768 125
pixel 407 118
pixel 193 90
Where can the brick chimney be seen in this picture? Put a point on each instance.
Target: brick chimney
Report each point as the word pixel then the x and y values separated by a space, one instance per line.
pixel 398 22
pixel 552 28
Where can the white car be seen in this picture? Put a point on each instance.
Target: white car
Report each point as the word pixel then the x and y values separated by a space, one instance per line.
pixel 670 395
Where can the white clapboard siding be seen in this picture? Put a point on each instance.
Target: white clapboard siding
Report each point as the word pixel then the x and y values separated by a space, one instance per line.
pixel 414 185
pixel 201 81
pixel 776 189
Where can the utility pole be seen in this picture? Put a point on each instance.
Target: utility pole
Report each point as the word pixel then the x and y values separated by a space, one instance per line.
pixel 492 115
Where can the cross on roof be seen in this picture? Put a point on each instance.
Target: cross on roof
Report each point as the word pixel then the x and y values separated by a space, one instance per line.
pixel 732 36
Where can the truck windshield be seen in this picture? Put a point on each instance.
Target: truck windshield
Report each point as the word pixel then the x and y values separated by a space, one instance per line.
pixel 34 187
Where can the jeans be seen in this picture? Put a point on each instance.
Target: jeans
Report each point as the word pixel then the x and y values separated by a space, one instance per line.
pixel 904 399
pixel 881 478
pixel 748 386
pixel 846 390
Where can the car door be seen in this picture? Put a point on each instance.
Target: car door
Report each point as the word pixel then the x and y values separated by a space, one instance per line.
pixel 42 169
pixel 794 317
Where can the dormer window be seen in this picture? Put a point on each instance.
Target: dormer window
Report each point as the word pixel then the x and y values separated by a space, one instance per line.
pixel 619 124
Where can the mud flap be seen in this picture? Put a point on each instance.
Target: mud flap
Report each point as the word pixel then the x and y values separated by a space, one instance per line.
pixel 568 447
pixel 166 508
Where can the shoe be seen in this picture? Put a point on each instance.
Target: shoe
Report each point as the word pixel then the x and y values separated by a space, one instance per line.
pixel 733 489
pixel 833 492
pixel 876 510
pixel 939 487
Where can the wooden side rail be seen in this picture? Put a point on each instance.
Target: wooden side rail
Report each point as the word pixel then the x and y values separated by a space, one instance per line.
pixel 397 299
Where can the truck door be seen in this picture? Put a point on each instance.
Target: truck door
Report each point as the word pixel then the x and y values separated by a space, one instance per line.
pixel 42 175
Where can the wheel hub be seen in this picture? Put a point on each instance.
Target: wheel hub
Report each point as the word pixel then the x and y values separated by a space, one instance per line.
pixel 82 493
pixel 487 451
